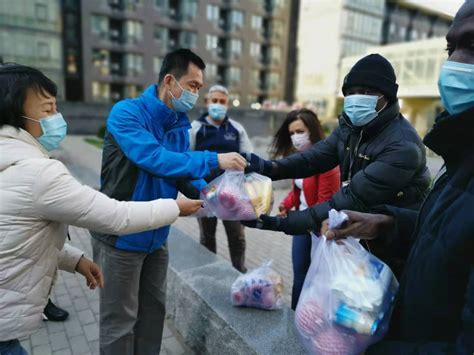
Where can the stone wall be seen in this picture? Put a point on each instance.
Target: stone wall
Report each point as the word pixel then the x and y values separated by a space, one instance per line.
pixel 199 305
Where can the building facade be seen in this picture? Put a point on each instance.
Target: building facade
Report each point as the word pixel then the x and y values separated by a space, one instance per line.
pixel 329 31
pixel 406 22
pixel 333 31
pixel 114 48
pixel 31 34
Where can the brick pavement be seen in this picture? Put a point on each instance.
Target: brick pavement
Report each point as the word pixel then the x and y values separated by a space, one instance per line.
pixel 79 334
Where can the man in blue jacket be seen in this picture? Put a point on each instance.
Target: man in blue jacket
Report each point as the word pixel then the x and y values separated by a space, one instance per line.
pixel 146 157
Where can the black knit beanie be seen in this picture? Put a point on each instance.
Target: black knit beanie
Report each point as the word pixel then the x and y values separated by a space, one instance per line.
pixel 373 71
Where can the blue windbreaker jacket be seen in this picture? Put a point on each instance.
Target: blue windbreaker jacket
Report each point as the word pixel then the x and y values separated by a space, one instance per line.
pixel 145 152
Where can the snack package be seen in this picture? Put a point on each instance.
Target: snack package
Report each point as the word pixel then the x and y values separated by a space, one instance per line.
pixel 347 298
pixel 236 196
pixel 260 288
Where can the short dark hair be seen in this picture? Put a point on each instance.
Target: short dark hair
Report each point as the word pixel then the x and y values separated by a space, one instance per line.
pixel 177 63
pixel 282 145
pixel 15 80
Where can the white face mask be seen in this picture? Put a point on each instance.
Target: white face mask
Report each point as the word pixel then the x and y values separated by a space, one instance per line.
pixel 301 141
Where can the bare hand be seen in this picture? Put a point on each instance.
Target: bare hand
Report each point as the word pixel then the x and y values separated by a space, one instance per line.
pixel 91 272
pixel 362 225
pixel 187 206
pixel 231 161
pixel 283 211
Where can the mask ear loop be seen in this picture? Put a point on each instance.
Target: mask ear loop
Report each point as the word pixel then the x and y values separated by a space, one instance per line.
pixel 386 103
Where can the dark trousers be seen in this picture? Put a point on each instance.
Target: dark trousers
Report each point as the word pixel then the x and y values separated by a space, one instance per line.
pixel 301 257
pixel 12 347
pixel 235 238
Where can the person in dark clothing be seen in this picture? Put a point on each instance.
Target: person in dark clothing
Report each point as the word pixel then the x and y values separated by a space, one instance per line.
pixel 215 131
pixel 434 313
pixel 382 158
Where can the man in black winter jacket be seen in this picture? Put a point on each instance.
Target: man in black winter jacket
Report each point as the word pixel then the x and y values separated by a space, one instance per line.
pixel 434 313
pixel 381 156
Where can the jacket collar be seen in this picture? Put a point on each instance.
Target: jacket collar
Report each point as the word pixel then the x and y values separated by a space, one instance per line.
pixel 203 119
pixel 387 115
pixel 20 134
pixel 158 109
pixel 452 136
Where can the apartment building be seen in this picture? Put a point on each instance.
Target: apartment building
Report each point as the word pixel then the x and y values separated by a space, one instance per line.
pixel 113 48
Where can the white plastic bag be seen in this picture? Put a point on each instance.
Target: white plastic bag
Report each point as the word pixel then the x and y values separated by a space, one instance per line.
pixel 259 288
pixel 347 297
pixel 236 196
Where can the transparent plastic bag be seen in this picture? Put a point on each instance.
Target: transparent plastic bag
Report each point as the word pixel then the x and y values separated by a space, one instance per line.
pixel 260 288
pixel 236 196
pixel 347 298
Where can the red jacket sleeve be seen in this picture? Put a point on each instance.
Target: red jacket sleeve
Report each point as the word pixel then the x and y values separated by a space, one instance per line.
pixel 328 184
pixel 289 201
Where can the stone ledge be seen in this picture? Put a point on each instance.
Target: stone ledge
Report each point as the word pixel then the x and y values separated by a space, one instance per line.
pixel 198 302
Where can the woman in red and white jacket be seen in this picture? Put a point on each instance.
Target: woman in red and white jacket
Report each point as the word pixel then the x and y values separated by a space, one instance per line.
pixel 300 130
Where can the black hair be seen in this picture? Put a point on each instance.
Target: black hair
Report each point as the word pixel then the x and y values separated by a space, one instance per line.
pixel 15 80
pixel 282 145
pixel 177 63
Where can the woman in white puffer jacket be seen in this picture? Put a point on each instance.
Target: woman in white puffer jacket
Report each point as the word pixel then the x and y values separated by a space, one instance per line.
pixel 39 199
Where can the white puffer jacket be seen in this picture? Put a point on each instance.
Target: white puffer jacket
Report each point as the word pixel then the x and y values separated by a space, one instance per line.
pixel 38 199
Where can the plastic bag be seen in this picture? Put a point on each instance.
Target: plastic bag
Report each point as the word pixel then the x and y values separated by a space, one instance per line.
pixel 236 196
pixel 259 288
pixel 347 298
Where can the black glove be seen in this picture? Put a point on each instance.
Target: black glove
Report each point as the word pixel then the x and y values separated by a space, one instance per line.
pixel 258 165
pixel 187 189
pixel 278 224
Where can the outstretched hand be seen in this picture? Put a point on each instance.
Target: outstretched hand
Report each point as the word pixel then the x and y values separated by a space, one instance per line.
pixel 360 225
pixel 257 165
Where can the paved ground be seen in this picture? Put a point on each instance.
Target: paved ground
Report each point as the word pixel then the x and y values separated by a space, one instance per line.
pixel 79 334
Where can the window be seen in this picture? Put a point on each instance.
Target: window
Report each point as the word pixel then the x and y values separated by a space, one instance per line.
pixel 160 34
pixel 156 65
pixel 132 90
pixel 211 42
pixel 43 50
pixel 256 22
pixel 278 28
pixel 41 11
pixel 162 4
pixel 274 80
pixel 188 39
pixel 211 70
pixel 236 19
pixel 213 13
pixel 234 75
pixel 236 47
pixel 255 49
pixel 276 55
pixel 100 25
pixel 189 9
pixel 100 91
pixel 134 64
pixel 134 31
pixel 100 60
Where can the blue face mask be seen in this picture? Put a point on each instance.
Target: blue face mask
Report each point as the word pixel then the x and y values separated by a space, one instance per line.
pixel 217 111
pixel 54 131
pixel 456 86
pixel 361 108
pixel 186 101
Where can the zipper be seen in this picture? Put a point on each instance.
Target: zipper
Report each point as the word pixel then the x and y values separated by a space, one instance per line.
pixel 353 156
